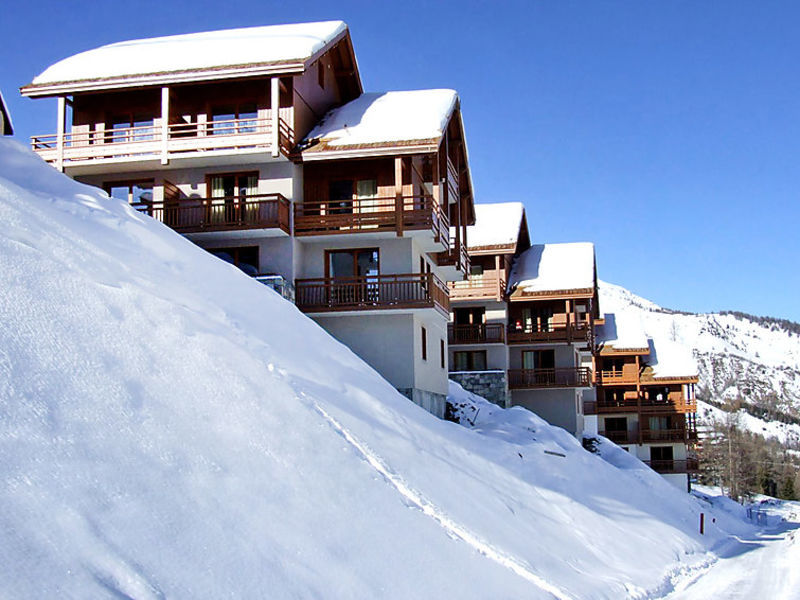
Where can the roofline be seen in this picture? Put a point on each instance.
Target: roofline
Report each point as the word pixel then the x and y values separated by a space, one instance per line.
pixel 6 115
pixel 519 295
pixel 669 379
pixel 287 67
pixel 377 150
pixel 610 350
pixel 492 249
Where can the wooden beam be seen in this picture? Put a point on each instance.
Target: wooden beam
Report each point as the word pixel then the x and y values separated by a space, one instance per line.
pixel 275 108
pixel 165 125
pixel 60 127
pixel 398 195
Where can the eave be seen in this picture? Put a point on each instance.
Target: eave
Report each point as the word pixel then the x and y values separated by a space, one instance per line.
pixel 577 293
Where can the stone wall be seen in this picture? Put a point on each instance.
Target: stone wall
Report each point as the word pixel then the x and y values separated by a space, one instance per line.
pixel 492 385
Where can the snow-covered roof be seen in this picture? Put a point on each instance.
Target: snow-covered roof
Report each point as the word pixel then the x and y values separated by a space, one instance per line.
pixel 196 51
pixel 622 330
pixel 669 359
pixel 384 118
pixel 6 127
pixel 496 224
pixel 554 268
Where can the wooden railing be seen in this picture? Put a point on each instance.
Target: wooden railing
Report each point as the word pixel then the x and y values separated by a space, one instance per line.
pixel 572 333
pixel 415 290
pixel 483 333
pixel 645 406
pixel 490 284
pixel 456 256
pixel 621 437
pixel 607 377
pixel 549 378
pixel 452 180
pixel 189 215
pixel 665 435
pixel 147 141
pixel 688 465
pixel 318 217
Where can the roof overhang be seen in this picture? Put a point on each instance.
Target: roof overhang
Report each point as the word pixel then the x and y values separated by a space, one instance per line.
pixel 580 293
pixel 322 151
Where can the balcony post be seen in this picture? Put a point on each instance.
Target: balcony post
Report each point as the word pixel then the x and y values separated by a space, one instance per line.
pixel 275 106
pixel 164 125
pixel 398 195
pixel 497 277
pixel 60 127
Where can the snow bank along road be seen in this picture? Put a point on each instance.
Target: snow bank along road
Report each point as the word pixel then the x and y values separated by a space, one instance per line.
pixel 763 566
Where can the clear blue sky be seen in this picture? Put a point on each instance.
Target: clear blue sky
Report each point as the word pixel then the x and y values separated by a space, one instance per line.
pixel 665 132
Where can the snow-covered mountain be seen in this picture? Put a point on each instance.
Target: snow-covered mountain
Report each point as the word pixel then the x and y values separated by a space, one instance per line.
pixel 739 356
pixel 171 428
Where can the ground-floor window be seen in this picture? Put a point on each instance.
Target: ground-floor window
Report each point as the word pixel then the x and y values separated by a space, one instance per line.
pixel 469 360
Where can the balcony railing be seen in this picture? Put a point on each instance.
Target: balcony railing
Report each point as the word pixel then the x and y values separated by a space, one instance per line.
pixel 568 377
pixel 646 406
pixel 667 435
pixel 456 256
pixel 530 335
pixel 490 284
pixel 147 141
pixel 413 290
pixel 621 437
pixel 488 333
pixel 324 217
pixel 193 215
pixel 689 465
pixel 608 377
pixel 279 284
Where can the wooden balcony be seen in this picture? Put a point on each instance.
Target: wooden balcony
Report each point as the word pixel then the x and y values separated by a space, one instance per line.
pixel 617 377
pixel 378 292
pixel 456 257
pixel 151 142
pixel 489 333
pixel 194 215
pixel 411 213
pixel 621 437
pixel 487 286
pixel 532 335
pixel 645 406
pixel 672 436
pixel 569 377
pixel 688 465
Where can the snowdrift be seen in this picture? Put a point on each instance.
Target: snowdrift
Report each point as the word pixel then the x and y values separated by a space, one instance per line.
pixel 171 428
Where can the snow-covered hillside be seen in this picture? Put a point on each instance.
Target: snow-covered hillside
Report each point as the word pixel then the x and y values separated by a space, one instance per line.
pixel 170 427
pixel 738 357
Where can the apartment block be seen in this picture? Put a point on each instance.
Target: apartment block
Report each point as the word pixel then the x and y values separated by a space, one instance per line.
pixel 261 146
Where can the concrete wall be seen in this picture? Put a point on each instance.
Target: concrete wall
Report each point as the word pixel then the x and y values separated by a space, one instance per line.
pixel 559 407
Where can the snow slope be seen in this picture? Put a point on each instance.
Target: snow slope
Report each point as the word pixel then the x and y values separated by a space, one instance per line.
pixel 170 427
pixel 737 356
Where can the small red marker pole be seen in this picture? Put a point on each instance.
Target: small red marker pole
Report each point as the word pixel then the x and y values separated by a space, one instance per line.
pixel 702 523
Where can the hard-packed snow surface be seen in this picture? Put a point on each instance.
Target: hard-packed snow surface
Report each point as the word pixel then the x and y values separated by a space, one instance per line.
pixel 171 428
pixel 737 357
pixel 228 47
pixel 553 267
pixel 383 117
pixel 495 224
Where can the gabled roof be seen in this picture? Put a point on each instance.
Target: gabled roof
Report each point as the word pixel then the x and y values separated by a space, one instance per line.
pixel 382 123
pixel 247 51
pixel 554 270
pixel 6 127
pixel 622 332
pixel 670 360
pixel 498 228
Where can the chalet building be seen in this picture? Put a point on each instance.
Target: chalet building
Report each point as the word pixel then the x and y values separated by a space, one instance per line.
pixel 479 354
pixel 552 309
pixel 645 398
pixel 260 145
pixel 6 128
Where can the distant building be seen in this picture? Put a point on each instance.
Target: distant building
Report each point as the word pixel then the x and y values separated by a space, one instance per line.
pixel 260 145
pixel 6 128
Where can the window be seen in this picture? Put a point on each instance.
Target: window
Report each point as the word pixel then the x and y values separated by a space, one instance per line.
pixel 539 359
pixel 469 360
pixel 246 257
pixel 138 194
pixel 321 74
pixel 229 193
pixel 132 127
pixel 357 272
pixel 345 195
pixel 443 354
pixel 616 424
pixel 469 316
pixel 661 454
pixel 233 118
pixel 424 344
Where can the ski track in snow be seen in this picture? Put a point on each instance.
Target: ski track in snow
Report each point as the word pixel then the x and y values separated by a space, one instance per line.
pixel 453 529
